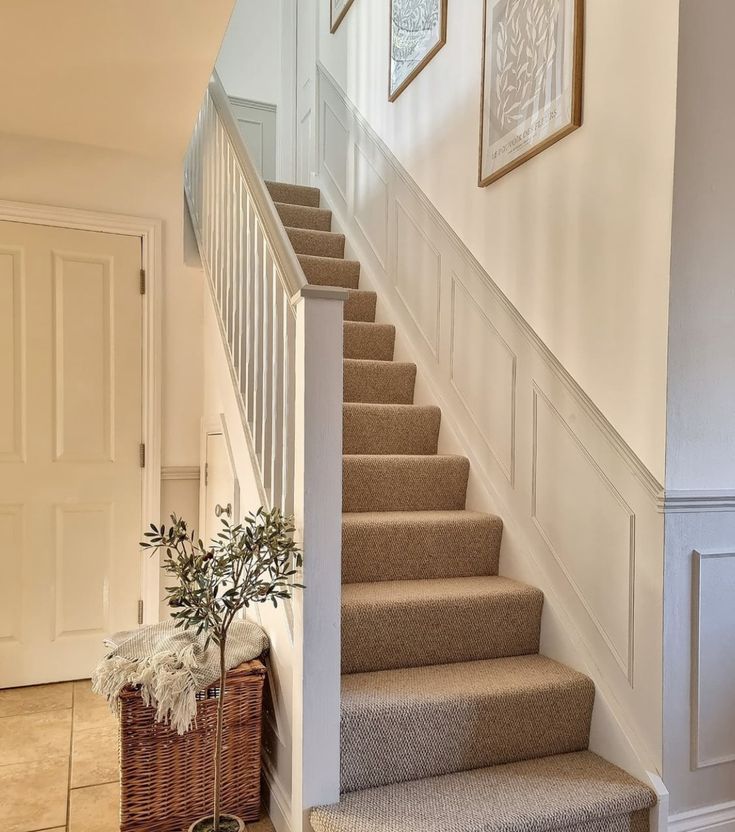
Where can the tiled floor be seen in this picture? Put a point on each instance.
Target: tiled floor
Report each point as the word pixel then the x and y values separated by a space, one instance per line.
pixel 58 761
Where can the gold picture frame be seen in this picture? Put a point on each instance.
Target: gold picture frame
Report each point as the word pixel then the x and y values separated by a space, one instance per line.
pixel 419 50
pixel 337 12
pixel 536 48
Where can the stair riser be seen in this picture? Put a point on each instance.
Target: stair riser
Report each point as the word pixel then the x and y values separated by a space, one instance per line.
pixel 372 342
pixel 385 550
pixel 381 382
pixel 384 637
pixel 360 306
pixel 330 271
pixel 294 194
pixel 299 216
pixel 390 430
pixel 423 739
pixel 408 484
pixel 316 243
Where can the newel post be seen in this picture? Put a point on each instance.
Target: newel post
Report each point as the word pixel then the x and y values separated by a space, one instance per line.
pixel 318 516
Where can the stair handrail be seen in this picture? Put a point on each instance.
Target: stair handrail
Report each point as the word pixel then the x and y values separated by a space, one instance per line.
pixel 289 268
pixel 281 404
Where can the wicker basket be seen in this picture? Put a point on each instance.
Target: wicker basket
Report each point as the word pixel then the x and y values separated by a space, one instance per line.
pixel 166 779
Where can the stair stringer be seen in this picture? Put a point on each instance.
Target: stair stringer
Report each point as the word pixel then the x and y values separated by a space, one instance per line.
pixel 524 555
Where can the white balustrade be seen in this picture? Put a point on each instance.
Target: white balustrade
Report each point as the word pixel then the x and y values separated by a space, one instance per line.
pixel 283 338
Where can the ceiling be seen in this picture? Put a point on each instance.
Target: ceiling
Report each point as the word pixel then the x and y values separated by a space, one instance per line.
pixel 122 74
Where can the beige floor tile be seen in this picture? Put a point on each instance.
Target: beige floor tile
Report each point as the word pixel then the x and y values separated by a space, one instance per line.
pixel 15 701
pixel 263 825
pixel 94 758
pixel 30 737
pixel 95 809
pixel 33 795
pixel 90 709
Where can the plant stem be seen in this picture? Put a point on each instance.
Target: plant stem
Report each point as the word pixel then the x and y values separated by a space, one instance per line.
pixel 218 738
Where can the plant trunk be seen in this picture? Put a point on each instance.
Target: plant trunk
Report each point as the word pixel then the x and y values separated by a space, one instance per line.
pixel 218 737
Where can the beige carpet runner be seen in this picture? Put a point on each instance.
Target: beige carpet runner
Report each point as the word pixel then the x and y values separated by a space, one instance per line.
pixel 451 720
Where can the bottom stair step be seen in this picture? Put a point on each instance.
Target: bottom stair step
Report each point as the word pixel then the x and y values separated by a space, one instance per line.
pixel 578 791
pixel 401 725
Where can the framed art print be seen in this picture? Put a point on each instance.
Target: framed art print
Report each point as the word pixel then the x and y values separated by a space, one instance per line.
pixel 418 30
pixel 337 10
pixel 531 80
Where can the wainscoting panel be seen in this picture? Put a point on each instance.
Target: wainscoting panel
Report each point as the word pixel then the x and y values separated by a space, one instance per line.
pixel 12 363
pixel 417 275
pixel 482 370
pixel 12 558
pixel 587 525
pixel 713 660
pixel 580 510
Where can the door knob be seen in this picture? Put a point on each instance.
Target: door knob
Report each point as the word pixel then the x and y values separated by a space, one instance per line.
pixel 226 510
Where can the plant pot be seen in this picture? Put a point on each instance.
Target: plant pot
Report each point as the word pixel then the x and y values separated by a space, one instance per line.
pixel 225 821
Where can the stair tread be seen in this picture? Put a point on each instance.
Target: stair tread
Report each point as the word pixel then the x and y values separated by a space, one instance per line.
pixel 458 683
pixel 330 271
pixel 398 624
pixel 293 194
pixel 404 724
pixel 411 482
pixel 363 339
pixel 374 428
pixel 429 590
pixel 538 795
pixel 366 380
pixel 329 244
pixel 304 216
pixel 396 545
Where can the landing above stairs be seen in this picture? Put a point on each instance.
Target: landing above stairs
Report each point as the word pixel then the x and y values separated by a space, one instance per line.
pixel 579 792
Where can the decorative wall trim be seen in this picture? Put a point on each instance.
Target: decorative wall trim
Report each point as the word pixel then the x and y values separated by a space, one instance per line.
pixel 150 233
pixel 593 520
pixel 627 662
pixel 720 816
pixel 636 465
pixel 180 472
pixel 255 105
pixel 699 643
pixel 673 502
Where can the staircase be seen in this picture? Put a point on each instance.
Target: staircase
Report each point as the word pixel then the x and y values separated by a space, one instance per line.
pixel 451 720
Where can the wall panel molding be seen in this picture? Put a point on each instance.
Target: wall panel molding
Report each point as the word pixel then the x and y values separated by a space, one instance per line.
pixel 575 499
pixel 713 666
pixel 12 355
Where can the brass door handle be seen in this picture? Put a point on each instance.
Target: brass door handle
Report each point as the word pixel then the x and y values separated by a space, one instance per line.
pixel 226 510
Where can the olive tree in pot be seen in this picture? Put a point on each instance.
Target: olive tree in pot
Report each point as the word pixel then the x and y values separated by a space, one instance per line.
pixel 251 562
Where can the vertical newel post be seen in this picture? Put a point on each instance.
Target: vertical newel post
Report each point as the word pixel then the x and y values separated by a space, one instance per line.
pixel 318 520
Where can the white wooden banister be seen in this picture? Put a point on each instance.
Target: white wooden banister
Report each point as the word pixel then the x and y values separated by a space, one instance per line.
pixel 283 342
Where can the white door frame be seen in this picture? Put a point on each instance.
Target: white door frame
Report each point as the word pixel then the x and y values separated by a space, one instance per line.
pixel 149 232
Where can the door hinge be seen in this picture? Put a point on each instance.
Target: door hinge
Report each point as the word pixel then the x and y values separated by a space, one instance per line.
pixel 142 454
pixel 142 281
pixel 206 473
pixel 140 611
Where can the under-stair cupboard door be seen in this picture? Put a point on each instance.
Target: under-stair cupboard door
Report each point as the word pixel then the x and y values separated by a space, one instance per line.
pixel 70 433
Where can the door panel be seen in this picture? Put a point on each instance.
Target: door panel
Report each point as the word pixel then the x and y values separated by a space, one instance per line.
pixel 70 432
pixel 220 487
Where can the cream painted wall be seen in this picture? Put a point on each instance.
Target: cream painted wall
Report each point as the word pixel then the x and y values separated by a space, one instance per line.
pixel 78 176
pixel 249 62
pixel 699 615
pixel 578 238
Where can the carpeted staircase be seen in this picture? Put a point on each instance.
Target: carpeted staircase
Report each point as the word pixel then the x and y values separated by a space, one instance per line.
pixel 451 720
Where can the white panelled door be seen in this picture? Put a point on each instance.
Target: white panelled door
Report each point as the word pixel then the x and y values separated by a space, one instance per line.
pixel 70 432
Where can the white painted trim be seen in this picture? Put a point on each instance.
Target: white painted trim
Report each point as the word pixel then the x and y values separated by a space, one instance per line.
pixel 286 112
pixel 684 501
pixel 179 472
pixel 636 465
pixel 255 105
pixel 719 816
pixel 149 232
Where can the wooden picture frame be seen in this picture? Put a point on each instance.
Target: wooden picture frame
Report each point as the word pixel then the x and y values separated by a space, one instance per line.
pixel 415 62
pixel 514 131
pixel 337 11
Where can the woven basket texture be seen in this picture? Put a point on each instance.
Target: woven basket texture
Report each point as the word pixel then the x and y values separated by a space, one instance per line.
pixel 166 779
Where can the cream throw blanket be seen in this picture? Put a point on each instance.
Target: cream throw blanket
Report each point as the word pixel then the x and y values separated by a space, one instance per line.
pixel 171 665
